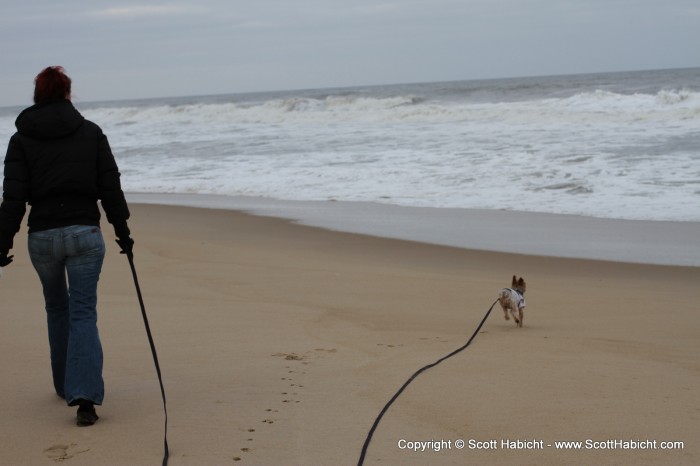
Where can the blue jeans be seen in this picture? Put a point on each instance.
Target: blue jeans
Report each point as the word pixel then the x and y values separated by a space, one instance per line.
pixel 76 253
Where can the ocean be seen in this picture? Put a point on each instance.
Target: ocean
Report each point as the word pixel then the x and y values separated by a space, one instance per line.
pixel 609 145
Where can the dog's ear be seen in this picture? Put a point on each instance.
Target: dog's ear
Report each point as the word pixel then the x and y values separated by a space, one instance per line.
pixel 521 283
pixel 515 281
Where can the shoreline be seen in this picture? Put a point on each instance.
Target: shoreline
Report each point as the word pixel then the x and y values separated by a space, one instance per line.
pixel 529 233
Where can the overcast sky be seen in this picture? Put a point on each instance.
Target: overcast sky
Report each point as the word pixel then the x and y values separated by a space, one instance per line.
pixel 150 48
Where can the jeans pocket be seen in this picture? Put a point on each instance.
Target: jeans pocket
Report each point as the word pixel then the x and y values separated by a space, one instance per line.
pixel 88 241
pixel 40 248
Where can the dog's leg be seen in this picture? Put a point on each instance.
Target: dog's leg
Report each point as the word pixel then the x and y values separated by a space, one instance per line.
pixel 504 305
pixel 520 311
pixel 515 318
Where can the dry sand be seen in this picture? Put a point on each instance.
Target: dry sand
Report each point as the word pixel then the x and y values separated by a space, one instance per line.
pixel 280 344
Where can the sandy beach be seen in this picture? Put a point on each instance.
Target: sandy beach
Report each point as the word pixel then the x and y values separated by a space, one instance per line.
pixel 280 343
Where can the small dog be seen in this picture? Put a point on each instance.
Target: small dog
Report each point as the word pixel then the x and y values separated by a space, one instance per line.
pixel 513 299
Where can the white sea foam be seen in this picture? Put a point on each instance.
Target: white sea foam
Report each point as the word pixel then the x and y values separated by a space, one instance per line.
pixel 589 107
pixel 568 145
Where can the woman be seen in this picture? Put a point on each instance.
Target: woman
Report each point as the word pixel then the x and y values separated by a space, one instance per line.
pixel 61 165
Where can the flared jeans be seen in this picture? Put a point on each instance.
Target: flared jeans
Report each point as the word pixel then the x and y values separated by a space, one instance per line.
pixel 68 261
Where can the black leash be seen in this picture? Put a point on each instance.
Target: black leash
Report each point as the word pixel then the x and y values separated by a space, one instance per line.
pixel 418 372
pixel 166 452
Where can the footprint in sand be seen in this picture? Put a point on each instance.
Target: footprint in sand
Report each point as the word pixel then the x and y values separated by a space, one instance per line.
pixel 63 452
pixel 288 380
pixel 289 356
pixel 246 449
pixel 438 339
pixel 296 357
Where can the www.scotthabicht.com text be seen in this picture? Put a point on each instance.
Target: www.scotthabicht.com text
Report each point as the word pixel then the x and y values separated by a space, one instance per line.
pixel 537 444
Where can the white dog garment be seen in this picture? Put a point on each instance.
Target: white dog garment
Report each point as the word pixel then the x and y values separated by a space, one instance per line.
pixel 517 297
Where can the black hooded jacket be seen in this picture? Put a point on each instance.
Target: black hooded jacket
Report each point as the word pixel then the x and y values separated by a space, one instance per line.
pixel 61 165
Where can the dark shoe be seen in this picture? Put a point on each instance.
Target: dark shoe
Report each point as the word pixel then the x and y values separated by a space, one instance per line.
pixel 87 415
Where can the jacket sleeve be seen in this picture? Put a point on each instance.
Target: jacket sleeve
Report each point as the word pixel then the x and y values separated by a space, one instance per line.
pixel 110 190
pixel 15 194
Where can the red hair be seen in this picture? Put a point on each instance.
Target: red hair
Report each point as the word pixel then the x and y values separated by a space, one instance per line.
pixel 51 84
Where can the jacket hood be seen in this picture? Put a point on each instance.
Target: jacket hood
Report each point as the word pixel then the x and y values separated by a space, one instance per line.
pixel 50 120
